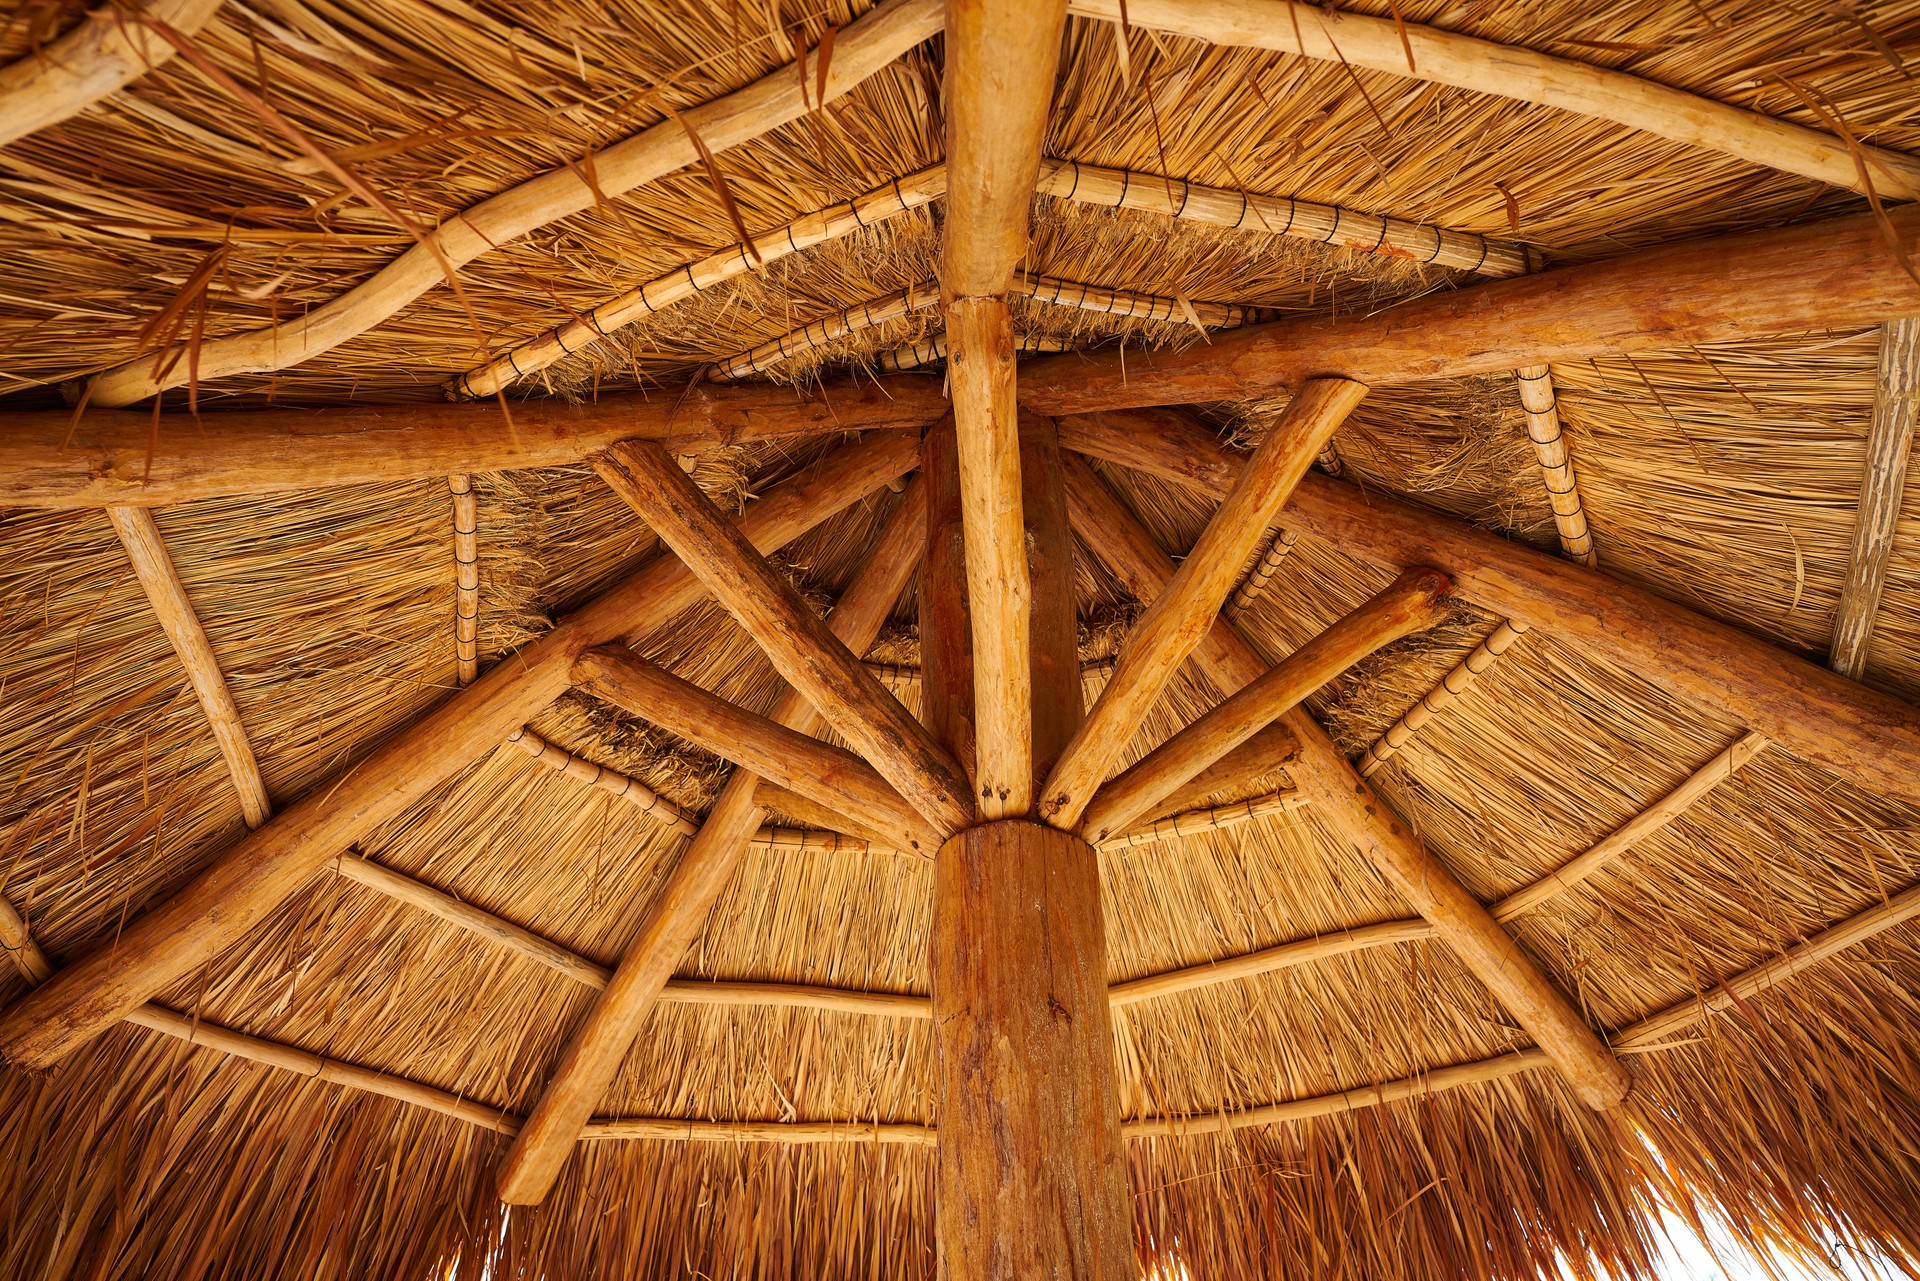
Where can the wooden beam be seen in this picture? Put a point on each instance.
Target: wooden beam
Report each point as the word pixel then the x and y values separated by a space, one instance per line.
pixel 831 777
pixel 106 51
pixel 946 626
pixel 25 954
pixel 1841 271
pixel 1355 814
pixel 999 594
pixel 802 648
pixel 1179 617
pixel 118 457
pixel 1883 487
pixel 249 880
pixel 1512 71
pixel 1059 690
pixel 862 48
pixel 153 567
pixel 1032 1163
pixel 1856 732
pixel 1000 63
pixel 679 911
pixel 1413 602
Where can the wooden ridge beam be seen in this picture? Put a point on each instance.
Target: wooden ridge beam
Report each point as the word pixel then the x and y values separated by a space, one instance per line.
pixel 1413 602
pixel 109 457
pixel 831 777
pixel 1179 618
pixel 1355 814
pixel 801 647
pixel 1883 487
pixel 154 568
pixel 1840 271
pixel 106 51
pixel 1511 71
pixel 862 48
pixel 250 879
pixel 680 909
pixel 1856 732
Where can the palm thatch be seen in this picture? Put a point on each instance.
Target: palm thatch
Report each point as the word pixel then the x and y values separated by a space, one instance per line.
pixel 190 206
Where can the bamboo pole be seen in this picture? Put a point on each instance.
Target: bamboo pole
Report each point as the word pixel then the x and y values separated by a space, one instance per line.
pixel 929 350
pixel 109 49
pixel 861 49
pixel 1353 813
pixel 829 776
pixel 105 458
pixel 1209 818
pixel 1510 71
pixel 1842 271
pixel 1179 617
pixel 1270 561
pixel 1854 731
pixel 1279 216
pixel 818 333
pixel 1542 410
pixel 1896 407
pixel 249 880
pixel 1413 602
pixel 801 647
pixel 1451 689
pixel 20 947
pixel 466 592
pixel 679 911
pixel 885 202
pixel 153 567
pixel 1126 302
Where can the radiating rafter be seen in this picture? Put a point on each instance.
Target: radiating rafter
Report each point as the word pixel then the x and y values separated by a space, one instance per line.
pixel 249 880
pixel 107 50
pixel 801 647
pixel 1178 618
pixel 1350 809
pixel 680 908
pixel 154 568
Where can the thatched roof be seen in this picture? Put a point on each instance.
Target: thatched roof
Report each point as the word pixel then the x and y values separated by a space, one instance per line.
pixel 188 206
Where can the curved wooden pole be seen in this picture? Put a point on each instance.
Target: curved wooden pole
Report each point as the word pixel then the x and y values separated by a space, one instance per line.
pixel 1856 732
pixel 1511 71
pixel 249 880
pixel 110 49
pixel 863 48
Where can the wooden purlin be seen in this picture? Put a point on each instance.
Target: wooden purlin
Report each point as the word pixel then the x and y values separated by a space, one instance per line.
pixel 1883 483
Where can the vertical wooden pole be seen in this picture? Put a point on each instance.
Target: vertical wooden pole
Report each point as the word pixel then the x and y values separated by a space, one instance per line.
pixel 1032 1176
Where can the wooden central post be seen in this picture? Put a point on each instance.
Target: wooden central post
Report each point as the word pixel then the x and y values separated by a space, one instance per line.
pixel 1032 1165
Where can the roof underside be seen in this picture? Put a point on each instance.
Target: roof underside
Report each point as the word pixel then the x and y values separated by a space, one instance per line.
pixel 1725 477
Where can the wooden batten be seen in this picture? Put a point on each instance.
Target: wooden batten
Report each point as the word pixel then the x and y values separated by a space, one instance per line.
pixel 466 566
pixel 679 911
pixel 1449 690
pixel 1414 602
pixel 802 648
pixel 251 879
pixel 153 566
pixel 1541 406
pixel 1178 618
pixel 1883 486
pixel 1856 732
